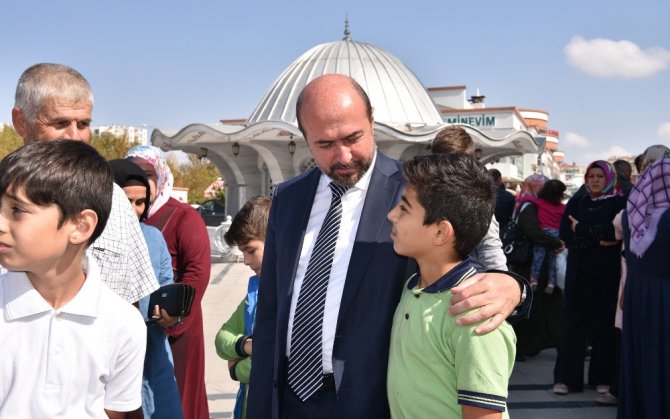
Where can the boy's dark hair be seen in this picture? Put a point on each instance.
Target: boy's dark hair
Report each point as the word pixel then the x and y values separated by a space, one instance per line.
pixel 453 139
pixel 250 222
pixel 67 173
pixel 457 188
pixel 552 191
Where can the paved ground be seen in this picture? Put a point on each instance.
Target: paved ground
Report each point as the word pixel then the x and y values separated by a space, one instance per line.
pixel 530 386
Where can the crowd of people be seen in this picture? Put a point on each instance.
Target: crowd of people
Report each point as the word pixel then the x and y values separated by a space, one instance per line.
pixel 385 291
pixel 603 281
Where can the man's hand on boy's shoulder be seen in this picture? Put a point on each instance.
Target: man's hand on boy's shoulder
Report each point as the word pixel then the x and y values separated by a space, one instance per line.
pixel 495 294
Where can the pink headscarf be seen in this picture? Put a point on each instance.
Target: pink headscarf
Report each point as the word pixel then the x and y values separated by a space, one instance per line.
pixel 530 187
pixel 164 179
pixel 647 202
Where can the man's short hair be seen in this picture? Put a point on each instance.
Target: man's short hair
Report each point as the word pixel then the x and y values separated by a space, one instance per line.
pixel 250 222
pixel 47 81
pixel 623 168
pixel 357 88
pixel 453 139
pixel 457 188
pixel 70 174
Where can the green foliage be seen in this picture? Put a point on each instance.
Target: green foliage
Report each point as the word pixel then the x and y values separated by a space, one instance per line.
pixel 10 140
pixel 196 175
pixel 112 147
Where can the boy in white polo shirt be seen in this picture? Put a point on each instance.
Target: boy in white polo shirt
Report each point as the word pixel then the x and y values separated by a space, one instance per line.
pixel 438 369
pixel 70 346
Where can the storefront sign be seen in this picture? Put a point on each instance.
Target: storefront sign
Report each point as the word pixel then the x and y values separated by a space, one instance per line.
pixel 475 121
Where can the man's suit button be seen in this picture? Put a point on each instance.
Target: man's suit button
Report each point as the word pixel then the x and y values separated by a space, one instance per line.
pixel 274 383
pixel 406 315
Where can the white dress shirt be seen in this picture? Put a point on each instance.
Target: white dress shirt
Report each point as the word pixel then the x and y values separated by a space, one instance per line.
pixel 352 206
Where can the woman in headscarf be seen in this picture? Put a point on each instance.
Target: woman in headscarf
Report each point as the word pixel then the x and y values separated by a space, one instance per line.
pixel 542 328
pixel 188 242
pixel 591 282
pixel 644 385
pixel 160 395
pixel 651 154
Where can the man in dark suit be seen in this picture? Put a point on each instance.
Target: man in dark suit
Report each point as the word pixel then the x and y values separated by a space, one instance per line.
pixel 365 277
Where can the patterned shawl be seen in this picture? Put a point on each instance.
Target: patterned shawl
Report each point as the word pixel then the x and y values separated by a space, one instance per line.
pixel 612 188
pixel 164 180
pixel 647 202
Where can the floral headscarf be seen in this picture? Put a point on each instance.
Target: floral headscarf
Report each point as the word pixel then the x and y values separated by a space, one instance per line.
pixel 612 188
pixel 647 202
pixel 164 180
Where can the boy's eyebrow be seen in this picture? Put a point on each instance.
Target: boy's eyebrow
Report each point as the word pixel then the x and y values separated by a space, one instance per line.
pixel 14 198
pixel 18 200
pixel 405 200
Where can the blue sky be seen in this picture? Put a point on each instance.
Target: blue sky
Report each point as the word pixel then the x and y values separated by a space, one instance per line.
pixel 601 68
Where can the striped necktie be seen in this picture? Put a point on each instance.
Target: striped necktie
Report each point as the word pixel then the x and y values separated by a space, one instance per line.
pixel 305 369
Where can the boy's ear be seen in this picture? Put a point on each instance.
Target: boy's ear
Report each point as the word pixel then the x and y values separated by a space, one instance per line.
pixel 84 226
pixel 444 233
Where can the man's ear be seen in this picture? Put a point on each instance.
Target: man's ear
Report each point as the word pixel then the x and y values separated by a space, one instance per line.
pixel 84 226
pixel 20 123
pixel 444 233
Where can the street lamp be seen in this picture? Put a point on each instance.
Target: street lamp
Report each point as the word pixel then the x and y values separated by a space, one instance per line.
pixel 291 148
pixel 236 149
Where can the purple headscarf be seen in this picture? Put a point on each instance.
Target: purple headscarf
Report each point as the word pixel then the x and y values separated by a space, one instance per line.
pixel 611 188
pixel 647 202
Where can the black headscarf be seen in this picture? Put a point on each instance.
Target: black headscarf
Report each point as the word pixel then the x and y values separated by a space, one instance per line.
pixel 125 171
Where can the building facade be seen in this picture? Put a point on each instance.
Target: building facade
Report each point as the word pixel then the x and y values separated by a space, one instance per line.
pixel 257 153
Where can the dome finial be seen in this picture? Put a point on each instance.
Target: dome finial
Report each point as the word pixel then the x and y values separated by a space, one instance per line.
pixel 346 28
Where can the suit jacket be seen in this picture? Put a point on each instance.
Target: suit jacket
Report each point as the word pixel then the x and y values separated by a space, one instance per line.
pixel 371 292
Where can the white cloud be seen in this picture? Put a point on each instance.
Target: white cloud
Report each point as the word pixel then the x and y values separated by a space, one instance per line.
pixel 612 151
pixel 607 58
pixel 576 140
pixel 664 129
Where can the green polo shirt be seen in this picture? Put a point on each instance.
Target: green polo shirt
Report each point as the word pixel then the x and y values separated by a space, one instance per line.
pixel 435 365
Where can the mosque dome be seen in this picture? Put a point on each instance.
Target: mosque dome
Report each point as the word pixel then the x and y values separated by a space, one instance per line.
pixel 399 99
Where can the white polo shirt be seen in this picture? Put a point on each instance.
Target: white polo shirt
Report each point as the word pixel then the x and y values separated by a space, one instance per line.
pixel 73 362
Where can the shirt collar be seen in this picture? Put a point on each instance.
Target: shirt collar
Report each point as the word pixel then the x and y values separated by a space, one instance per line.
pixel 455 276
pixel 23 300
pixel 362 184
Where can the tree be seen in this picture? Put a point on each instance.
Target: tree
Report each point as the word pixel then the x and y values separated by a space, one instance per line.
pixel 10 140
pixel 112 147
pixel 196 175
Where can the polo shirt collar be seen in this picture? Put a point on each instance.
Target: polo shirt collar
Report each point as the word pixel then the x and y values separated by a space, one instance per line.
pixel 23 300
pixel 458 274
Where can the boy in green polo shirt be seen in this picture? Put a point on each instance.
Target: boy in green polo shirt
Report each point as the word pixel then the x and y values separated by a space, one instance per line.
pixel 434 365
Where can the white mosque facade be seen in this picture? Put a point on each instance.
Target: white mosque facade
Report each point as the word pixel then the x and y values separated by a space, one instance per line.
pixel 256 154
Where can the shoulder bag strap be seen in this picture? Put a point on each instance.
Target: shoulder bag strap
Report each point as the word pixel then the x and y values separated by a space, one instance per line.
pixel 164 218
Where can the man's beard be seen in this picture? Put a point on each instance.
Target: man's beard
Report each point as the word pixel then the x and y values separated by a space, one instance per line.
pixel 359 169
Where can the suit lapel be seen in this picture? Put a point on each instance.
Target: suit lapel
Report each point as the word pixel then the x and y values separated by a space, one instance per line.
pixel 373 227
